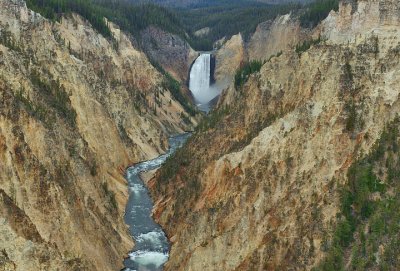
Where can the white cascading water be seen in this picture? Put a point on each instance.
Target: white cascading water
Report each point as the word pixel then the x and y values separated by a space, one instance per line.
pixel 200 77
pixel 199 81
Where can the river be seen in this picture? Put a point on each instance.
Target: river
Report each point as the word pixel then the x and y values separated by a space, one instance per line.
pixel 151 245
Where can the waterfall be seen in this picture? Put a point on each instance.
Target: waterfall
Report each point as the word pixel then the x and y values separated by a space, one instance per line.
pixel 200 79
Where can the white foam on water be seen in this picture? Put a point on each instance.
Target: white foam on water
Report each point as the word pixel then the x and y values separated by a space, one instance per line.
pixel 153 237
pixel 146 258
pixel 137 188
pixel 152 244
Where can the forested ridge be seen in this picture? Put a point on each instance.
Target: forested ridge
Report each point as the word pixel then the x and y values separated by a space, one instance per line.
pixel 223 18
pixel 227 20
pixel 131 18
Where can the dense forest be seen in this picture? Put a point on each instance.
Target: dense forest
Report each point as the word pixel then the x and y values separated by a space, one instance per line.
pixel 208 3
pixel 131 18
pixel 224 18
pixel 317 11
pixel 228 19
pixel 54 9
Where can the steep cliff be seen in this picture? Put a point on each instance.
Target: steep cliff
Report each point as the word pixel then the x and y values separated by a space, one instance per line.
pixel 273 37
pixel 172 52
pixel 75 110
pixel 229 58
pixel 269 39
pixel 258 185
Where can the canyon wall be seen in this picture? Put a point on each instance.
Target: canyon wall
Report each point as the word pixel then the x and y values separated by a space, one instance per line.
pixel 229 58
pixel 257 186
pixel 75 110
pixel 172 52
pixel 273 37
pixel 270 38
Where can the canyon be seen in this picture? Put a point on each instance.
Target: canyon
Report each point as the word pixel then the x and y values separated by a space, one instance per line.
pixel 260 183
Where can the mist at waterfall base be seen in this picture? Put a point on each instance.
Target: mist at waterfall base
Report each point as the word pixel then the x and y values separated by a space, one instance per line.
pixel 151 245
pixel 200 82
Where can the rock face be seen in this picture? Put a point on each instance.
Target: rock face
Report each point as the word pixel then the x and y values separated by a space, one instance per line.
pixel 257 187
pixel 229 58
pixel 75 110
pixel 272 37
pixel 172 52
pixel 269 39
pixel 202 32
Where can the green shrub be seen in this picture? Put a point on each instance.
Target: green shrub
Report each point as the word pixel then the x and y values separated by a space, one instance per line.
pixel 110 195
pixel 376 220
pixel 212 119
pixel 8 40
pixel 347 80
pixel 36 110
pixel 175 88
pixel 55 95
pixel 317 11
pixel 351 119
pixel 303 47
pixel 275 55
pixel 244 72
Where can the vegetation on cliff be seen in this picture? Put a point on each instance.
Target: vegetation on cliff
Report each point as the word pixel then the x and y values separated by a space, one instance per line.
pixel 54 9
pixel 368 226
pixel 243 73
pixel 53 101
pixel 316 11
pixel 131 18
pixel 304 46
pixel 175 87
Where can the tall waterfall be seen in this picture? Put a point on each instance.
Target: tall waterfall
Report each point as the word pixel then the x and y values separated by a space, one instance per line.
pixel 199 81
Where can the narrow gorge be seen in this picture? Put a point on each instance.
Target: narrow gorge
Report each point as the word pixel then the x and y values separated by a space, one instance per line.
pixel 151 245
pixel 151 249
pixel 199 135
